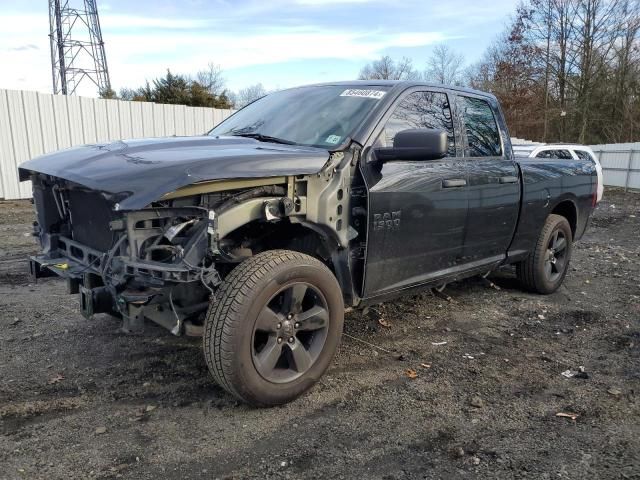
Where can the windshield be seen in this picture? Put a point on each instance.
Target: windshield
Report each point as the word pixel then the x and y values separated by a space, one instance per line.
pixel 315 116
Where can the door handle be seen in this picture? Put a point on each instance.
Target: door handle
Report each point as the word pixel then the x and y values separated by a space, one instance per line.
pixel 454 182
pixel 509 179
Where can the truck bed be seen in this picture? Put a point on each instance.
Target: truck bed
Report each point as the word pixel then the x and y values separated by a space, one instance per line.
pixel 549 184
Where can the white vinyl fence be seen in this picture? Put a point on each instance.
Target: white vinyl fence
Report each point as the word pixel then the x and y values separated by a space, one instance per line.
pixel 620 164
pixel 33 124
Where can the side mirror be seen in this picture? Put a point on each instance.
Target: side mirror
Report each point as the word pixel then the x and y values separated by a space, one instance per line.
pixel 415 144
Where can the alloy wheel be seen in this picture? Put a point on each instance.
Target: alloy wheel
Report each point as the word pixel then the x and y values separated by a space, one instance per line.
pixel 290 332
pixel 555 261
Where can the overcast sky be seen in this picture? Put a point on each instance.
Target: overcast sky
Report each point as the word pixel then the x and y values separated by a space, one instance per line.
pixel 280 43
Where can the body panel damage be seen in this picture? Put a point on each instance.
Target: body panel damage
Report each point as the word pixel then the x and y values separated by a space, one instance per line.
pixel 138 172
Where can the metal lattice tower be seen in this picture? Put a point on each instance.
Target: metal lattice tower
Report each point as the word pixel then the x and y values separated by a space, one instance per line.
pixel 77 49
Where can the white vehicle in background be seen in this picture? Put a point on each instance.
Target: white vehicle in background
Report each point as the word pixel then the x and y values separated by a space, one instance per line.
pixel 562 151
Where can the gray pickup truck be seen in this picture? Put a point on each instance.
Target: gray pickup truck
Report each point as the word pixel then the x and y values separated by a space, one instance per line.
pixel 258 234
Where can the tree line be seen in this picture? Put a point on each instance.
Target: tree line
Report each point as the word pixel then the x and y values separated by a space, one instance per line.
pixel 567 70
pixel 207 89
pixel 563 70
pixel 443 66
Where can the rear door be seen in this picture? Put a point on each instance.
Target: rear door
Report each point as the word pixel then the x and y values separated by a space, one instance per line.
pixel 494 182
pixel 417 209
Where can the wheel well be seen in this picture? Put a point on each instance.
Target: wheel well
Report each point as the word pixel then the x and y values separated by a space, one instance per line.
pixel 296 237
pixel 567 210
pixel 262 236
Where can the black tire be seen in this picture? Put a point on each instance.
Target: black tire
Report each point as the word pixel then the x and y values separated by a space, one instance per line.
pixel 545 268
pixel 262 286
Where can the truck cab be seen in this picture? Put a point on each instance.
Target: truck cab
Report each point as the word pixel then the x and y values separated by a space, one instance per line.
pixel 258 235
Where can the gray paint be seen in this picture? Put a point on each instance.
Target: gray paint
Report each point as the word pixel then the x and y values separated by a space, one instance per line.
pixel 138 172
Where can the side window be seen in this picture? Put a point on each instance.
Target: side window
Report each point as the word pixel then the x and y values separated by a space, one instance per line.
pixel 561 154
pixel 420 110
pixel 546 154
pixel 482 131
pixel 582 155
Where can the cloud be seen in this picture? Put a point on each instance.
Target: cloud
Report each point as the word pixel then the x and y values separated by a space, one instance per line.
pixel 262 46
pixel 121 21
pixel 331 2
pixel 142 48
pixel 191 51
pixel 144 38
pixel 21 48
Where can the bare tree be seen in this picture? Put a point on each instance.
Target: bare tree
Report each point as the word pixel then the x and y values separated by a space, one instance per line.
pixel 568 70
pixel 551 25
pixel 212 79
pixel 444 66
pixel 247 95
pixel 626 74
pixel 599 21
pixel 388 69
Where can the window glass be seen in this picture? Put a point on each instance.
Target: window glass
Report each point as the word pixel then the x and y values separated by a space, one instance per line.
pixel 582 155
pixel 321 116
pixel 482 131
pixel 420 110
pixel 561 154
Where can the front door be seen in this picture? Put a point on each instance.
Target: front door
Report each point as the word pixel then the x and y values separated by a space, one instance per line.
pixel 417 209
pixel 493 183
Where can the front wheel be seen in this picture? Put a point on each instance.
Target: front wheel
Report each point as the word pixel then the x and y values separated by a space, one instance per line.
pixel 274 327
pixel 547 265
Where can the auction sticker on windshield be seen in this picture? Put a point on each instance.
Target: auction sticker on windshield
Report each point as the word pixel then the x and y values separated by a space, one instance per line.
pixel 356 92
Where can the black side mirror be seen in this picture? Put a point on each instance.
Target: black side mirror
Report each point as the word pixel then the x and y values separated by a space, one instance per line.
pixel 415 144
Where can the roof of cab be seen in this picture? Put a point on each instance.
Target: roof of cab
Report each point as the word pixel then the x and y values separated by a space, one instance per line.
pixel 397 85
pixel 395 89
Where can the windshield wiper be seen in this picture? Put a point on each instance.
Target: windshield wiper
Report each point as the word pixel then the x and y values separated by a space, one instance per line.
pixel 264 138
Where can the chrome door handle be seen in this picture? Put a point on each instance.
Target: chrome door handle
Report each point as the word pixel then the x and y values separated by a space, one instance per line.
pixel 454 182
pixel 509 179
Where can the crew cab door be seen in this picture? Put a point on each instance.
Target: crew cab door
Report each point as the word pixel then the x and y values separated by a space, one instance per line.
pixel 417 209
pixel 493 181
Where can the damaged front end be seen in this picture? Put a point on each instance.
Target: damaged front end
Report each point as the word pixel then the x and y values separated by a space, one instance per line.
pixel 161 262
pixel 153 263
pixel 164 261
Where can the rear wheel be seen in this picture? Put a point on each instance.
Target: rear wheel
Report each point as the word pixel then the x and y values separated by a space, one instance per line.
pixel 274 327
pixel 545 268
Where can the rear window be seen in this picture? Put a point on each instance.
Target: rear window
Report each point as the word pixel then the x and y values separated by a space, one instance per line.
pixel 483 136
pixel 582 155
pixel 559 153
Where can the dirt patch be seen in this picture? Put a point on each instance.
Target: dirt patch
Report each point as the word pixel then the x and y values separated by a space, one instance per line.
pixel 78 398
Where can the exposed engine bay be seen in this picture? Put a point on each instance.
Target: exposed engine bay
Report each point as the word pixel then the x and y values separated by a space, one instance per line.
pixel 165 261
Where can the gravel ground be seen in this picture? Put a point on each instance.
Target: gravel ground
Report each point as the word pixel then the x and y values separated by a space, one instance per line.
pixel 78 399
